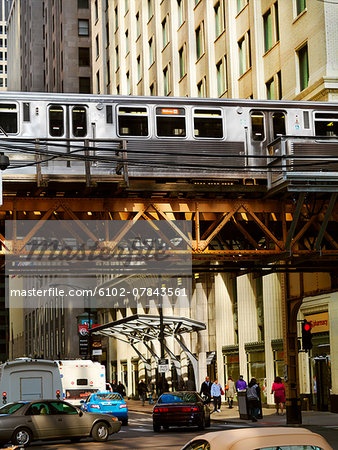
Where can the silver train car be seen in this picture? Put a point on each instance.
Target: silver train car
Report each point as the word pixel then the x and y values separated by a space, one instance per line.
pixel 190 138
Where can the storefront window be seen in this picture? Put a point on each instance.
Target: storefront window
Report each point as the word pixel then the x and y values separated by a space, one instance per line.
pixel 231 367
pixel 256 369
pixel 278 362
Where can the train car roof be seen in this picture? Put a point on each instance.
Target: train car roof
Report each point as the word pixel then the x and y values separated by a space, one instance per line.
pixel 94 98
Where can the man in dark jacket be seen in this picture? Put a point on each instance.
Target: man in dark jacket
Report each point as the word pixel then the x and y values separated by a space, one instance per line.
pixel 142 391
pixel 120 388
pixel 253 394
pixel 205 389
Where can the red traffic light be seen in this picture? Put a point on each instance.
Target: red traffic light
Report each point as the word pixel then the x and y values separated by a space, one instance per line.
pixel 307 326
pixel 4 394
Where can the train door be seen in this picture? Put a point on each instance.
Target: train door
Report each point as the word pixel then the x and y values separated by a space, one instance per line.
pixel 265 127
pixel 68 121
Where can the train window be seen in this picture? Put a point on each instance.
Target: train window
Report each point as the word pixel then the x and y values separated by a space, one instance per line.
pixel 170 122
pixel 326 124
pixel 278 124
pixel 26 112
pixel 8 118
pixel 109 114
pixel 133 121
pixel 56 123
pixel 208 123
pixel 79 119
pixel 257 126
pixel 306 119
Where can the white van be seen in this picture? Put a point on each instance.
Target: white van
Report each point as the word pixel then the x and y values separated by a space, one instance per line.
pixel 79 378
pixel 29 379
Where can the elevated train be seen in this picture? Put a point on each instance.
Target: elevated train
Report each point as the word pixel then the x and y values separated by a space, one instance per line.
pixel 190 138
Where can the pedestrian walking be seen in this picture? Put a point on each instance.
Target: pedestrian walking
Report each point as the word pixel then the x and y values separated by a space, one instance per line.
pixel 120 388
pixel 241 384
pixel 181 384
pixel 278 389
pixel 151 390
pixel 253 394
pixel 216 393
pixel 230 391
pixel 142 391
pixel 206 389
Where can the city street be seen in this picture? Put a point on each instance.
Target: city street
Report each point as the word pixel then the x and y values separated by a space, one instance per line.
pixel 139 435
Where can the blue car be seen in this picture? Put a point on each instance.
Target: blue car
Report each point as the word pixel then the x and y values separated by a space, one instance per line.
pixel 110 403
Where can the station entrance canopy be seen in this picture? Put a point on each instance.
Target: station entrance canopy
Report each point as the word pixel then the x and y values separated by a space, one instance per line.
pixel 146 328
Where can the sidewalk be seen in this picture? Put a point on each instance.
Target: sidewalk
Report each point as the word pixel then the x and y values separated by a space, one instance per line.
pixel 231 416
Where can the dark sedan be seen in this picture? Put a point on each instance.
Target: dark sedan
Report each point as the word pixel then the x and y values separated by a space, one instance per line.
pixel 23 422
pixel 180 409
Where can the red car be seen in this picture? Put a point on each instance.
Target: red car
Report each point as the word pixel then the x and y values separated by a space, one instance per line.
pixel 180 409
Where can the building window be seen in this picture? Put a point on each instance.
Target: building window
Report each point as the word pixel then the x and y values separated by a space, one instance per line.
pixel 152 89
pixel 83 4
pixel 201 88
pixel 116 19
pixel 97 46
pixel 83 27
pixel 276 20
pixel 300 6
pixel 150 9
pixel 267 31
pixel 165 35
pixel 221 79
pixel 244 53
pixel 241 4
pixel 84 58
pixel 107 34
pixel 303 62
pixel 151 51
pixel 270 89
pixel 98 81
pixel 96 9
pixel 117 59
pixel 180 12
pixel 128 83
pixel 126 6
pixel 166 80
pixel 108 72
pixel 181 57
pixel 138 28
pixel 127 41
pixel 1 68
pixel 199 41
pixel 138 60
pixel 218 19
pixel 279 87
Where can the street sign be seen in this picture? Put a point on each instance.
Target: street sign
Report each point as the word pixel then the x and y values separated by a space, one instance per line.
pixel 163 365
pixel 97 351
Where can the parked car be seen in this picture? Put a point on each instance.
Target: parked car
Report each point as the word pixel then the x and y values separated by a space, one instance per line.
pixel 180 409
pixel 23 422
pixel 107 403
pixel 269 438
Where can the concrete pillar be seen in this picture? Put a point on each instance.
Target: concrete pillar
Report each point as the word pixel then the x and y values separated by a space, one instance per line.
pixel 333 327
pixel 272 305
pixel 201 314
pixel 247 317
pixel 129 377
pixel 224 323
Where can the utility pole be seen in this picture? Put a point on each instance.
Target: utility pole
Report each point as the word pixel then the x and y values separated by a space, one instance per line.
pixel 161 334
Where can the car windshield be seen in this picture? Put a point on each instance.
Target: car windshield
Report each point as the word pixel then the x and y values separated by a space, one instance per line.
pixel 186 397
pixel 11 408
pixel 111 396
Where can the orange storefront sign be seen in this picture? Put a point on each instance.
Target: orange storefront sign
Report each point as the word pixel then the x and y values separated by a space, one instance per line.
pixel 319 322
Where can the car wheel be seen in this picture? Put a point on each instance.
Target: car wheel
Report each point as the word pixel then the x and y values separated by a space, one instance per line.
pixel 22 437
pixel 201 426
pixel 100 432
pixel 125 421
pixel 156 427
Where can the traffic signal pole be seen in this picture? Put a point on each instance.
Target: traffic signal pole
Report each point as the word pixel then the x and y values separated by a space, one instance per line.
pixel 290 308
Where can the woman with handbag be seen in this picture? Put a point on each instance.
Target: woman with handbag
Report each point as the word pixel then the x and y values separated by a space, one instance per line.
pixel 230 391
pixel 216 393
